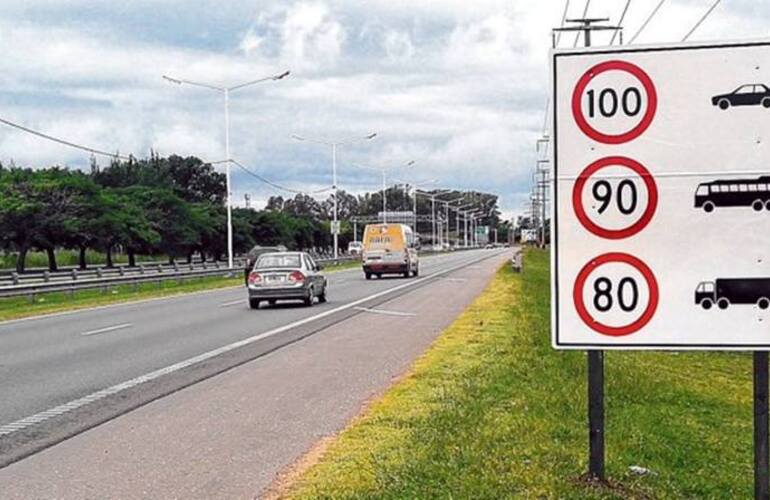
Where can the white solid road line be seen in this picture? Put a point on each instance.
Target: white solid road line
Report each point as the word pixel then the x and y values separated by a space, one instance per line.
pixel 107 329
pixel 454 280
pixel 37 418
pixel 383 311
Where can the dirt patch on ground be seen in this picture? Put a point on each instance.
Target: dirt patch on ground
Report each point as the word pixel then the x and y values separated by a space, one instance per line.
pixel 293 471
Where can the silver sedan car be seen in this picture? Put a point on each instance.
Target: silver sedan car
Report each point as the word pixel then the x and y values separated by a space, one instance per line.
pixel 286 276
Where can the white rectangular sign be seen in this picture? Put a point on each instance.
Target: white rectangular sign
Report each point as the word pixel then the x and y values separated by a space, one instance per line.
pixel 661 197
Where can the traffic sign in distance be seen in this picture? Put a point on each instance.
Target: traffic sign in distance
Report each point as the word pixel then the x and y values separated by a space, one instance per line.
pixel 661 197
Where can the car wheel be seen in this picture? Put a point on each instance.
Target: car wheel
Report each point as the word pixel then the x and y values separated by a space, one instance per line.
pixel 767 205
pixel 309 298
pixel 766 102
pixel 723 303
pixel 708 207
pixel 724 104
pixel 322 297
pixel 379 276
pixel 368 275
pixel 272 302
pixel 757 205
pixel 416 271
pixel 763 303
pixel 406 273
pixel 254 303
pixel 706 304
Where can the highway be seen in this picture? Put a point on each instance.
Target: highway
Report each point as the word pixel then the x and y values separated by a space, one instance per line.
pixel 65 373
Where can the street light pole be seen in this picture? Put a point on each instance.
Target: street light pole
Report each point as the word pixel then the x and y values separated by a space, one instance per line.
pixel 383 171
pixel 384 201
pixel 227 182
pixel 334 144
pixel 335 224
pixel 226 92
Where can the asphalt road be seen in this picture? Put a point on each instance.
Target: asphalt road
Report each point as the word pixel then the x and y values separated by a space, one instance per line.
pixel 63 374
pixel 229 436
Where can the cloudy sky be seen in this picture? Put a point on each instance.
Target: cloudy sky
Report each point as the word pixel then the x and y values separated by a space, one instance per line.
pixel 458 86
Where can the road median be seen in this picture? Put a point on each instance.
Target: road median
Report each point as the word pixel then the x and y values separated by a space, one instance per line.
pixel 492 411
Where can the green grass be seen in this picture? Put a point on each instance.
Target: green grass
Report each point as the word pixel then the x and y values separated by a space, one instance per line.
pixel 492 411
pixel 21 307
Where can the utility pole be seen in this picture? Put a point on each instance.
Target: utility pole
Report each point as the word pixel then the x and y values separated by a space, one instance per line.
pixel 227 160
pixel 247 200
pixel 595 357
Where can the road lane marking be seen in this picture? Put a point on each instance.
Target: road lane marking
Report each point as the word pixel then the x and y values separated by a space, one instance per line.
pixel 107 329
pixel 383 311
pixel 37 418
pixel 233 303
pixel 454 280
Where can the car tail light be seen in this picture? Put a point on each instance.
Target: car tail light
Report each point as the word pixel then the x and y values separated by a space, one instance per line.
pixel 296 277
pixel 254 278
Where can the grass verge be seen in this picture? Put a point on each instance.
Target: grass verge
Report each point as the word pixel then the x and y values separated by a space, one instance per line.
pixel 22 307
pixel 492 411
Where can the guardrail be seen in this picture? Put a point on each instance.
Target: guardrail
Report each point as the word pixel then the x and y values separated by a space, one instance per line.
pixel 31 285
pixel 517 261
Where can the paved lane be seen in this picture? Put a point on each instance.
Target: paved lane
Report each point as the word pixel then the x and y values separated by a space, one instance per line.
pixel 228 436
pixel 51 361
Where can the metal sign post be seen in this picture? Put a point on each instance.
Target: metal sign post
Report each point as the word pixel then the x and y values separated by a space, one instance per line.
pixel 761 469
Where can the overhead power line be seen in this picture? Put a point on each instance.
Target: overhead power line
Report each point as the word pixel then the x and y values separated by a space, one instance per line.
pixel 63 141
pixel 558 38
pixel 563 19
pixel 274 184
pixel 127 158
pixel 620 21
pixel 647 21
pixel 700 21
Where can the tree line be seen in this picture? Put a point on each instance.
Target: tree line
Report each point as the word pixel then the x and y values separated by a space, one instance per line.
pixel 172 206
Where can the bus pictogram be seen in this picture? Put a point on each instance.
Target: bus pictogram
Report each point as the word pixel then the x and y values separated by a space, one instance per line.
pixel 754 193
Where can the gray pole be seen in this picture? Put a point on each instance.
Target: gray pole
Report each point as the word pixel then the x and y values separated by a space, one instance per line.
pixel 229 189
pixel 433 217
pixel 334 190
pixel 761 467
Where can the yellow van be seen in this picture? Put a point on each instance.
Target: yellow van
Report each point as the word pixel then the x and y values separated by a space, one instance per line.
pixel 389 249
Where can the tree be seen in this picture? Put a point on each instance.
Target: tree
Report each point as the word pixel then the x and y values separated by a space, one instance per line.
pixel 169 216
pixel 21 209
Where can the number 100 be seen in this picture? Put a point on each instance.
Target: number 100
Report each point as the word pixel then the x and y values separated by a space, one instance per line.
pixel 630 102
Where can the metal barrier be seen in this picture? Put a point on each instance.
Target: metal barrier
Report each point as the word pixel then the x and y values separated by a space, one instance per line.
pixel 518 260
pixel 103 279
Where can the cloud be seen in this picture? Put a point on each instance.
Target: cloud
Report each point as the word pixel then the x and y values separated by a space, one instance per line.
pixel 460 88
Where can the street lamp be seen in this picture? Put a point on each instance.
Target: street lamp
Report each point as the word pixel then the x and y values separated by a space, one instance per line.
pixel 432 195
pixel 383 171
pixel 334 144
pixel 226 91
pixel 446 212
pixel 415 185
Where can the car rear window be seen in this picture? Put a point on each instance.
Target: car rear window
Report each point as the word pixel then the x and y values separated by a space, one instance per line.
pixel 288 261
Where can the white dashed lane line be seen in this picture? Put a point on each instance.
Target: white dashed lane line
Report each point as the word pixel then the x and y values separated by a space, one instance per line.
pixel 233 303
pixel 107 329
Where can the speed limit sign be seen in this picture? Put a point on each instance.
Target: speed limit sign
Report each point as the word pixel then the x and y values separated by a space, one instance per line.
pixel 661 197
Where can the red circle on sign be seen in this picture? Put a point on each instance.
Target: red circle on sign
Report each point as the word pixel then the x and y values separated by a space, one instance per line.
pixel 609 161
pixel 649 114
pixel 616 331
